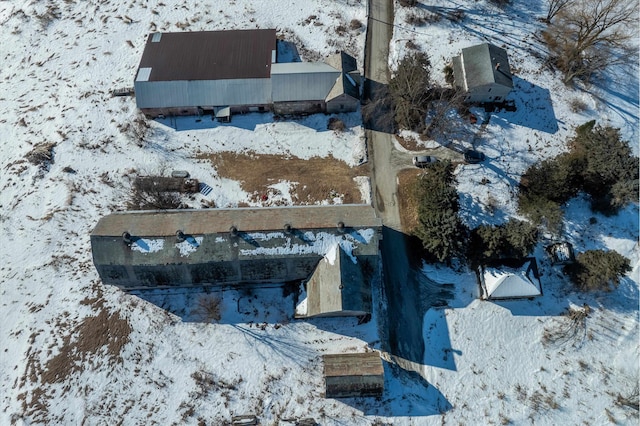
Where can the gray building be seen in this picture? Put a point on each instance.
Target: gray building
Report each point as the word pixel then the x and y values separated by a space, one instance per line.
pixel 226 72
pixel 338 287
pixel 209 247
pixel 482 72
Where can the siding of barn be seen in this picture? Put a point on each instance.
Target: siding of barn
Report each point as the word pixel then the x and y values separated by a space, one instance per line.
pixel 202 93
pixel 207 253
pixel 300 81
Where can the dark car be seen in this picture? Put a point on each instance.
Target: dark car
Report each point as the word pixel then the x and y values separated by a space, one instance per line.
pixel 473 157
pixel 423 160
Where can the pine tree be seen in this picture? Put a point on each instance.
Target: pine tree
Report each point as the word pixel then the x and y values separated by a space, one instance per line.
pixel 598 270
pixel 441 231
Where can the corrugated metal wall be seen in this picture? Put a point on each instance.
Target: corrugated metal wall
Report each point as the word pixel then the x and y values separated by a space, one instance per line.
pixel 165 94
pixel 303 86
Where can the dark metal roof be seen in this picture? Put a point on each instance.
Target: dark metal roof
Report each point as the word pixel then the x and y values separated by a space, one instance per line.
pixel 209 55
pixel 486 64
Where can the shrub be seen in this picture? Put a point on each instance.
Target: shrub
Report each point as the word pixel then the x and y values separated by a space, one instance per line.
pixel 578 105
pixel 500 3
pixel 208 309
pixel 456 15
pixel 416 19
pixel 152 199
pixel 556 179
pixel 355 24
pixel 520 238
pixel 336 124
pixel 597 270
pixel 542 211
pixel 41 154
pixel 448 74
pixel 410 44
pixel 441 231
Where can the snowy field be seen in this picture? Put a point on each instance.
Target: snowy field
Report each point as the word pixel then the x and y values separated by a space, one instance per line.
pixel 75 352
pixel 493 362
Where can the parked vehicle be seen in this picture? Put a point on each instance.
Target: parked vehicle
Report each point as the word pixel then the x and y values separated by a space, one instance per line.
pixel 473 157
pixel 423 160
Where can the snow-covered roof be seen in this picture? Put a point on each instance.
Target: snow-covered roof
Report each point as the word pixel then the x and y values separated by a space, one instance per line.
pixel 508 281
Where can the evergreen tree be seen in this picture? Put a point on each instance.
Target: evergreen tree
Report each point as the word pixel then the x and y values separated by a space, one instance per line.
pixel 598 270
pixel 599 163
pixel 513 239
pixel 441 231
pixel 609 163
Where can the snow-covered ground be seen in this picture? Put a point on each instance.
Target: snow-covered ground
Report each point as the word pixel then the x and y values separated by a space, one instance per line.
pixel 493 362
pixel 73 351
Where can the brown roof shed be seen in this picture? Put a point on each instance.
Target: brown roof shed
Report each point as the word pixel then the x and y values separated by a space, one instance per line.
pixel 352 375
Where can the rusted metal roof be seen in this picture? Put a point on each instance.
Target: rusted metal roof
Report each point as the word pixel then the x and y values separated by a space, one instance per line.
pixel 353 375
pixel 358 364
pixel 209 55
pixel 209 221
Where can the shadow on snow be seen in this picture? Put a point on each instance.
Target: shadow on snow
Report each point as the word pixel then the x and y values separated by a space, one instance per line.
pixel 406 394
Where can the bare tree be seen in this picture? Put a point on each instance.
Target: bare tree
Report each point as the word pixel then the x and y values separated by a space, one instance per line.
pixel 589 35
pixel 555 6
pixel 443 117
pixel 409 91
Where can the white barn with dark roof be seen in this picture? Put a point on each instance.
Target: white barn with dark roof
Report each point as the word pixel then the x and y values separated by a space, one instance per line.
pixel 482 72
pixel 225 72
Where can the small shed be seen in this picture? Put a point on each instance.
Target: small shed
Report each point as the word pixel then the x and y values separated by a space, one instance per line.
pixel 510 279
pixel 482 72
pixel 353 375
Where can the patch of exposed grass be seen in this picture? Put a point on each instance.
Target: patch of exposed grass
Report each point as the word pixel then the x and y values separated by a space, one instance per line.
pixel 407 200
pixel 316 179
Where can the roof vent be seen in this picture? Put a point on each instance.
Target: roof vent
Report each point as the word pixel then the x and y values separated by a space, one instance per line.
pixel 498 66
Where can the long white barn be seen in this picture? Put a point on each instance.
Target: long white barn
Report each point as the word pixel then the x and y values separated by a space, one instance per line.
pixel 223 72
